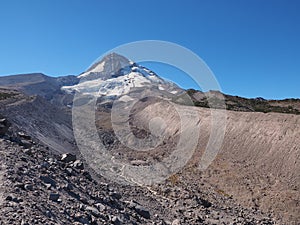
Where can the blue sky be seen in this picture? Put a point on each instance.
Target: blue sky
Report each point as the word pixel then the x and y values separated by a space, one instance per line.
pixel 253 47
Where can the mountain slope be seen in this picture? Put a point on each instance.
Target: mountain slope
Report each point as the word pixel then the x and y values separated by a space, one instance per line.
pixel 40 84
pixel 48 123
pixel 259 161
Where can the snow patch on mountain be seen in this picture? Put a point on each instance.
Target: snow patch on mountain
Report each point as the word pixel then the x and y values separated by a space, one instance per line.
pixel 115 75
pixel 98 68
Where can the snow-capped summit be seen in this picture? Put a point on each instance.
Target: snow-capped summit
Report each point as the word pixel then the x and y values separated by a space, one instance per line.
pixel 107 67
pixel 115 75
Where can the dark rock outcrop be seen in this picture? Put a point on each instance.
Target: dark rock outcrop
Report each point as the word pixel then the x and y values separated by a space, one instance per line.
pixel 4 125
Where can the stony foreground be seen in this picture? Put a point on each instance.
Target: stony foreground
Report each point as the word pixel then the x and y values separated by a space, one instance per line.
pixel 38 187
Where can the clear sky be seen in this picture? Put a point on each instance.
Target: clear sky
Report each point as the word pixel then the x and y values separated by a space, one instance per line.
pixel 252 46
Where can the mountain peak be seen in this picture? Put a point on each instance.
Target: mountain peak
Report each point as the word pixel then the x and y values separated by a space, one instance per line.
pixel 110 63
pixel 115 75
pixel 111 66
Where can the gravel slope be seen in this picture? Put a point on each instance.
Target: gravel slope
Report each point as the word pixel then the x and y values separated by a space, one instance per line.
pixel 258 163
pixel 43 188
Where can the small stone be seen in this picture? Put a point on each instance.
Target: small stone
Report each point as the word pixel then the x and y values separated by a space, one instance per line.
pixel 54 196
pixel 176 222
pixel 12 198
pixel 138 162
pixel 48 181
pixel 87 175
pixel 68 157
pixel 68 186
pixel 100 207
pixel 9 198
pixel 24 223
pixel 78 164
pixel 48 213
pixel 83 200
pixel 82 206
pixel 93 210
pixel 23 135
pixel 115 195
pixel 4 125
pixel 28 187
pixel 69 171
pixel 132 204
pixel 25 143
pixel 27 151
pixel 82 219
pixel 142 211
pixel 116 220
pixel 45 165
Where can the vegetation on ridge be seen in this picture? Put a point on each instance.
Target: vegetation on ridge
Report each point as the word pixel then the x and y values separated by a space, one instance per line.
pixel 236 103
